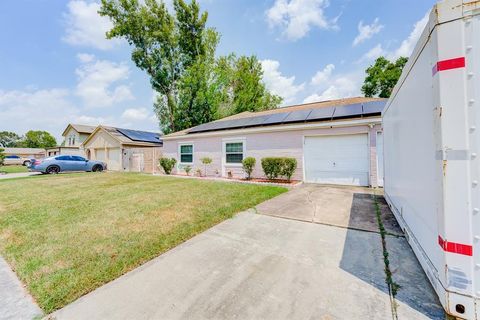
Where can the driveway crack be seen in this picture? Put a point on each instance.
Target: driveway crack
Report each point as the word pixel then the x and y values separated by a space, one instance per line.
pixel 314 205
pixel 393 287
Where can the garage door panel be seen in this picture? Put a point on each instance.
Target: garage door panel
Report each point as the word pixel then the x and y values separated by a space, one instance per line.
pixel 337 159
pixel 341 178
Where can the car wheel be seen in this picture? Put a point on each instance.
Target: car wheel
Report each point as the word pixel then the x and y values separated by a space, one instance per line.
pixel 97 168
pixel 26 163
pixel 53 170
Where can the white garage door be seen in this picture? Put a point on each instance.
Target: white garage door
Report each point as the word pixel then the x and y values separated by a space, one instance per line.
pixel 339 159
pixel 114 156
pixel 111 156
pixel 100 155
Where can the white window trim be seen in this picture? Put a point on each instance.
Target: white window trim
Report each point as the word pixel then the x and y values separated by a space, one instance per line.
pixel 180 153
pixel 224 152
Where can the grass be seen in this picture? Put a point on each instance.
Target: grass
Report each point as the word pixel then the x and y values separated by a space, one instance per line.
pixel 66 235
pixel 13 169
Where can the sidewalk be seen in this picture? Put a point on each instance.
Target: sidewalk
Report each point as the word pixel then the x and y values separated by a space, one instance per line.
pixel 15 302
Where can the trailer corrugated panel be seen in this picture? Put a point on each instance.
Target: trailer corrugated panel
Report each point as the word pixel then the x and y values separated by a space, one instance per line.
pixel 431 154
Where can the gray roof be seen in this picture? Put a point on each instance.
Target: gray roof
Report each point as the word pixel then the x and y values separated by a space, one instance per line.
pixel 357 107
pixel 134 136
pixel 81 128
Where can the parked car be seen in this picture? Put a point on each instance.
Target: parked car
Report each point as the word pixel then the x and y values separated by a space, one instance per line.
pixel 17 160
pixel 63 163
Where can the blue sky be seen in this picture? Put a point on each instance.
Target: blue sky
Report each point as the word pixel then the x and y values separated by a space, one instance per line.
pixel 56 67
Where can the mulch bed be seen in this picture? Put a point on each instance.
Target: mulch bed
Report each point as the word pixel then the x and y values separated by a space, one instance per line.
pixel 281 181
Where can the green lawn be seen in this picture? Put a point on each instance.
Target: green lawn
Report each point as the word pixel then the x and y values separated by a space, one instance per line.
pixel 13 169
pixel 66 235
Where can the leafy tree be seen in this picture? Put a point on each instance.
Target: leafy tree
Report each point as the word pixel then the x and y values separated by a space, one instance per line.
pixel 164 45
pixel 240 80
pixel 382 77
pixel 177 51
pixel 9 139
pixel 198 97
pixel 38 139
pixel 2 156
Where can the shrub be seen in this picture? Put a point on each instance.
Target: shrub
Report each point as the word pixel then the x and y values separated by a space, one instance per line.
pixel 206 161
pixel 167 164
pixel 2 156
pixel 274 167
pixel 187 170
pixel 248 165
pixel 289 167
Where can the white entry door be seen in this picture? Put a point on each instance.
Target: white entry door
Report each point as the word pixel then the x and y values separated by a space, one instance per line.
pixel 380 159
pixel 341 159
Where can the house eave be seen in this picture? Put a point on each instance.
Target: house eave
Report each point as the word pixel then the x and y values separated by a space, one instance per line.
pixel 279 128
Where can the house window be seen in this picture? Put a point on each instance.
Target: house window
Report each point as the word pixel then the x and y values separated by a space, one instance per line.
pixel 186 153
pixel 234 152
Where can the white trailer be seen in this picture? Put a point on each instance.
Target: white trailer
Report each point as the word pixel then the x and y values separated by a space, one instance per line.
pixel 432 154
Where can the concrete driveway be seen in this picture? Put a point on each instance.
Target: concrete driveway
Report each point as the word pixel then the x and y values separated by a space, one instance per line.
pixel 257 266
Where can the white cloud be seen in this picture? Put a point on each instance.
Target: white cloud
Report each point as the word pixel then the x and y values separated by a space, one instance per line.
pixel 367 31
pixel 85 27
pixel 323 76
pixel 327 86
pixel 278 83
pixel 407 46
pixel 373 54
pixel 404 50
pixel 85 57
pixel 49 110
pixel 136 114
pixel 297 17
pixel 96 79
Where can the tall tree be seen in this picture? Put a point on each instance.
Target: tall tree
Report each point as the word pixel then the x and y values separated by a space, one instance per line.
pixel 9 139
pixel 38 139
pixel 382 77
pixel 177 51
pixel 163 45
pixel 242 87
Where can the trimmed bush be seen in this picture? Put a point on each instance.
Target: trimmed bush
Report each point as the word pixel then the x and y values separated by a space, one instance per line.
pixel 248 165
pixel 275 167
pixel 167 164
pixel 187 170
pixel 272 167
pixel 289 167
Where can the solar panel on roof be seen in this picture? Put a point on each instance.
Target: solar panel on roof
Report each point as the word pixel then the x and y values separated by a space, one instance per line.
pixel 276 118
pixel 255 121
pixel 141 135
pixel 373 107
pixel 297 116
pixel 348 111
pixel 321 114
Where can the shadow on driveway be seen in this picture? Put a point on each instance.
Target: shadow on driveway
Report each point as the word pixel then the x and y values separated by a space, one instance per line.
pixel 353 208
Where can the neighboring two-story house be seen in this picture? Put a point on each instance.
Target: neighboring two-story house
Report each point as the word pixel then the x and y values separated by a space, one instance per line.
pixel 73 137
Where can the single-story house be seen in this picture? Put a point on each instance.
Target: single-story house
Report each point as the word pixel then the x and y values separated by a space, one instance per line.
pixel 73 137
pixel 334 142
pixel 124 149
pixel 27 153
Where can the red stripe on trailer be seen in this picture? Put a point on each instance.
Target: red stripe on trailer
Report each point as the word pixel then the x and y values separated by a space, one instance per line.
pixel 448 65
pixel 455 247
